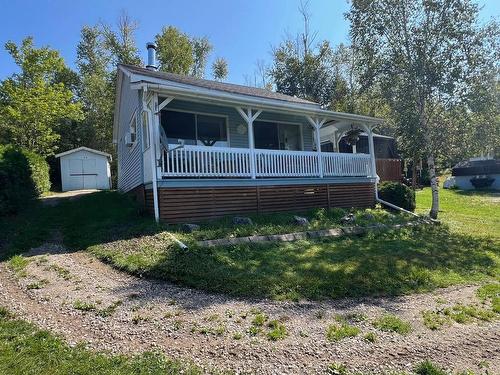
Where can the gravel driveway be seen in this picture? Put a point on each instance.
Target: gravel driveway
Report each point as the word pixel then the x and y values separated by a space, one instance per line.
pixel 129 314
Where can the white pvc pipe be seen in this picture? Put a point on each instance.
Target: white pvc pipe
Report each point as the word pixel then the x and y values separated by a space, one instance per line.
pixel 181 244
pixel 385 203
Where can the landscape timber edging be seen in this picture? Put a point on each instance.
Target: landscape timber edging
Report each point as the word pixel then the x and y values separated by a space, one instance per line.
pixel 288 237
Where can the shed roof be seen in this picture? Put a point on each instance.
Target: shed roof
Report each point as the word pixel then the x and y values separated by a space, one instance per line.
pixel 83 148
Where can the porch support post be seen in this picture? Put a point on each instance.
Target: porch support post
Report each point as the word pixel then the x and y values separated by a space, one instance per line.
pixel 317 124
pixel 249 119
pixel 371 149
pixel 154 136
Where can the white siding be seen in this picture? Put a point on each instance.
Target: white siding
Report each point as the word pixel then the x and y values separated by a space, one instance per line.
pixel 130 172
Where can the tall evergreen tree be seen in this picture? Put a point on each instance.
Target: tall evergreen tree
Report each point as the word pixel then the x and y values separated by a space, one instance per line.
pixel 220 69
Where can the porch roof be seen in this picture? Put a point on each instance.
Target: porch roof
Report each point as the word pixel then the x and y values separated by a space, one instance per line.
pixel 200 90
pixel 211 85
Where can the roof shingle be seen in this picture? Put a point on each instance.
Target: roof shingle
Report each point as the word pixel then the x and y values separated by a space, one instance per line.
pixel 218 86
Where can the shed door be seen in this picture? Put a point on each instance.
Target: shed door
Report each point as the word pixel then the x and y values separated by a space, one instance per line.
pixel 75 178
pixel 89 174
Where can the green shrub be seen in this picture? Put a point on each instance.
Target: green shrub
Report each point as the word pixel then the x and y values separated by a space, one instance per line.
pixel 23 176
pixel 397 194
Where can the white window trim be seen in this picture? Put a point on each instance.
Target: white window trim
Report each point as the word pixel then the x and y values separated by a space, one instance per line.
pixel 225 117
pixel 132 119
pixel 145 137
pixel 300 125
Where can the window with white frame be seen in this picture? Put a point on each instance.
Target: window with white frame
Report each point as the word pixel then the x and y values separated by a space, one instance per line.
pixel 133 129
pixel 277 136
pixel 145 130
pixel 194 129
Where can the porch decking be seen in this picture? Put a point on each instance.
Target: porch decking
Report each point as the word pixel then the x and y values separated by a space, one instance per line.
pixel 225 162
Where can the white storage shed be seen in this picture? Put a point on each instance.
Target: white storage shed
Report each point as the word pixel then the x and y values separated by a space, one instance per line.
pixel 85 168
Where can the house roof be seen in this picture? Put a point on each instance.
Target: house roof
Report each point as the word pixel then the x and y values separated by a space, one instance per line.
pixel 201 90
pixel 83 148
pixel 215 85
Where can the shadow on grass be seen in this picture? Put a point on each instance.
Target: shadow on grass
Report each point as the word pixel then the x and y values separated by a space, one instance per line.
pixel 394 263
pixel 383 263
pixel 478 192
pixel 89 220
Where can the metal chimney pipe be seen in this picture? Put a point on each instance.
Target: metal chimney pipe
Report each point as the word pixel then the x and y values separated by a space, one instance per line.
pixel 151 56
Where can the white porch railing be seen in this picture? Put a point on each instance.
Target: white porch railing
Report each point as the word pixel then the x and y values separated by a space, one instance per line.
pixel 279 163
pixel 202 161
pixel 343 164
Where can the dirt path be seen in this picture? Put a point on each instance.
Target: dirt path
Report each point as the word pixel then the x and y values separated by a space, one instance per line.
pixel 56 198
pixel 129 314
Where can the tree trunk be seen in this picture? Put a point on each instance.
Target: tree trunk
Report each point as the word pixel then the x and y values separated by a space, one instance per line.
pixel 414 174
pixel 434 187
pixel 430 163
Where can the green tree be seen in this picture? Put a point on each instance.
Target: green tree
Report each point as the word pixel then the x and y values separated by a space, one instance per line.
pixel 423 53
pixel 120 41
pixel 220 69
pixel 201 50
pixel 175 51
pixel 96 90
pixel 100 49
pixel 35 102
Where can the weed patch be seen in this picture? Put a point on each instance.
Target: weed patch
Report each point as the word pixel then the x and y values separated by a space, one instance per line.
pixel 337 369
pixel 136 319
pixel 434 320
pixel 277 331
pixel 62 272
pixel 491 292
pixel 465 313
pixel 337 332
pixel 37 284
pixel 18 264
pixel 370 337
pixel 392 323
pixel 28 350
pixel 459 313
pixel 259 320
pixel 84 306
pixel 429 368
pixel 109 310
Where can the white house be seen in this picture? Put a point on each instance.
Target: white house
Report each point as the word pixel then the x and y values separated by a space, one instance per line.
pixel 192 149
pixel 85 168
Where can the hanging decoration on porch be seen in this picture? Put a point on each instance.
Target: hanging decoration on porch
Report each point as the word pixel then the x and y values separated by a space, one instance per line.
pixel 352 136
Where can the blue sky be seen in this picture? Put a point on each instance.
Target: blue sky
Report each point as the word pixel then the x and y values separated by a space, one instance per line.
pixel 242 31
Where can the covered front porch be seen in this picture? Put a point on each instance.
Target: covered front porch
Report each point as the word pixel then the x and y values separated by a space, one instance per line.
pixel 216 154
pixel 215 141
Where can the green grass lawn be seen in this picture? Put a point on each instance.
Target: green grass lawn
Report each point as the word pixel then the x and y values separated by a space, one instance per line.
pixel 381 263
pixel 26 350
pixel 391 263
pixel 467 212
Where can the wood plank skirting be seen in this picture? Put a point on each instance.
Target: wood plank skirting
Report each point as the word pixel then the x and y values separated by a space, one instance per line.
pixel 179 204
pixel 389 169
